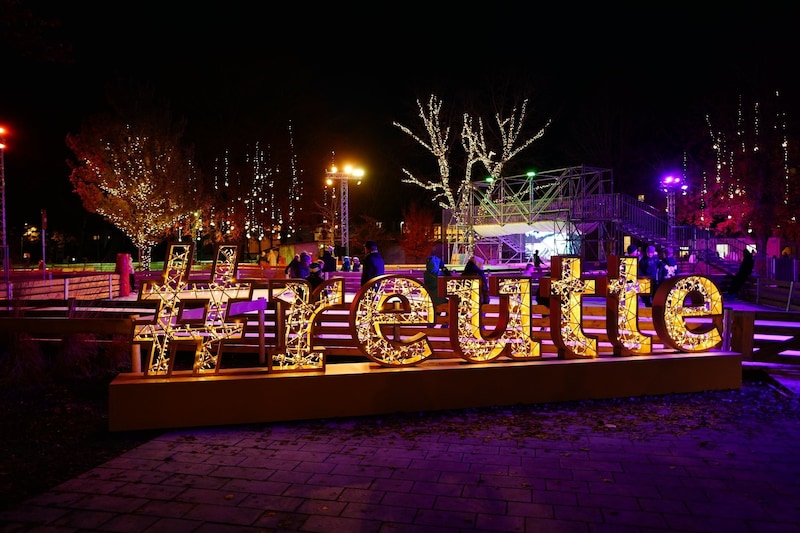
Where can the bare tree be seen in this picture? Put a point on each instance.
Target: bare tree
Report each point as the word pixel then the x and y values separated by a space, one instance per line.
pixel 435 138
pixel 365 228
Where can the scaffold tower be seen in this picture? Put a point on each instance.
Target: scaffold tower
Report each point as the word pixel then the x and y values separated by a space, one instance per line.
pixel 505 219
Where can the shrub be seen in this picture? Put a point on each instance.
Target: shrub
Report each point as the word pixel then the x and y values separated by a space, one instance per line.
pixel 22 360
pixel 76 356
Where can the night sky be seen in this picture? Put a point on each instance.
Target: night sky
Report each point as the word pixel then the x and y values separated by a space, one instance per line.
pixel 625 88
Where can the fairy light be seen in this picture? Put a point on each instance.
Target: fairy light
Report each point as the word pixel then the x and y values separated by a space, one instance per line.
pixel 623 294
pixel 299 308
pixel 257 201
pixel 567 289
pixel 295 188
pixel 751 166
pixel 168 326
pixel 387 312
pixel 512 337
pixel 141 181
pixel 375 308
pixel 684 297
pixel 247 198
pixel 780 124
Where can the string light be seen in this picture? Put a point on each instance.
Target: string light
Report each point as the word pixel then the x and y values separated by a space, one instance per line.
pixel 247 199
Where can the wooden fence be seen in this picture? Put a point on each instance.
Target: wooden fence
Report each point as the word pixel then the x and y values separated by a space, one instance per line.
pixel 773 293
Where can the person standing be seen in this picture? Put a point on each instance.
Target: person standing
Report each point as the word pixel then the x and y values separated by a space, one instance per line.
pixel 315 276
pixel 633 251
pixel 126 274
pixel 272 257
pixel 743 274
pixel 537 261
pixel 529 270
pixel 328 263
pixel 372 266
pixel 298 268
pixel 648 268
pixel 474 267
pixel 304 268
pixel 667 266
pixel 433 269
pixel 292 270
pixel 263 262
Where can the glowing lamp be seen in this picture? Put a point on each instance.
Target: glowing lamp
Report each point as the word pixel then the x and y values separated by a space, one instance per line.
pixel 344 178
pixel 671 183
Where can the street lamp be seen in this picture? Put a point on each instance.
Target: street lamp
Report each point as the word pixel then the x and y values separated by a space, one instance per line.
pixel 3 203
pixel 22 242
pixel 344 177
pixel 671 184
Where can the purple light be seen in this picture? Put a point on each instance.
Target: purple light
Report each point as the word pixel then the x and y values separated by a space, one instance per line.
pixel 670 182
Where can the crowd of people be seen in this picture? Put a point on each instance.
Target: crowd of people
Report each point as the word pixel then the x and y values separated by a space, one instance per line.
pixel 658 265
pixel 302 266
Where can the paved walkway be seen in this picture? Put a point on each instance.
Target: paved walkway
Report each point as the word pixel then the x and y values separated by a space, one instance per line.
pixel 510 470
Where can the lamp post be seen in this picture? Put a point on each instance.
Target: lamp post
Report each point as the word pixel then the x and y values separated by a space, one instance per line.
pixel 670 185
pixel 3 204
pixel 344 177
pixel 22 242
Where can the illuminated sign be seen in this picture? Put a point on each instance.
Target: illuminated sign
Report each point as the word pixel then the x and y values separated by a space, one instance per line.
pixel 192 313
pixel 390 302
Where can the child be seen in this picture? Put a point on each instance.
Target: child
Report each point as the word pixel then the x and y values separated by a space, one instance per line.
pixel 315 275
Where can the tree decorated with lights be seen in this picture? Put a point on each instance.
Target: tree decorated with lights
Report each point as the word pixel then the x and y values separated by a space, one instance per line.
pixel 247 199
pixel 478 152
pixel 231 186
pixel 745 184
pixel 135 174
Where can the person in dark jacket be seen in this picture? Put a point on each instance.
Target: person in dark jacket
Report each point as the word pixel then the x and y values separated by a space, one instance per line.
pixel 667 265
pixel 743 274
pixel 537 261
pixel 648 268
pixel 298 268
pixel 474 267
pixel 372 266
pixel 292 270
pixel 433 269
pixel 314 276
pixel 328 263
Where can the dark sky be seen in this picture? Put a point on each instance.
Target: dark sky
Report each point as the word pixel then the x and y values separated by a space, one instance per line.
pixel 615 81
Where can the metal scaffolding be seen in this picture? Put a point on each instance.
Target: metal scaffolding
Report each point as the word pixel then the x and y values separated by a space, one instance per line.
pixel 504 216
